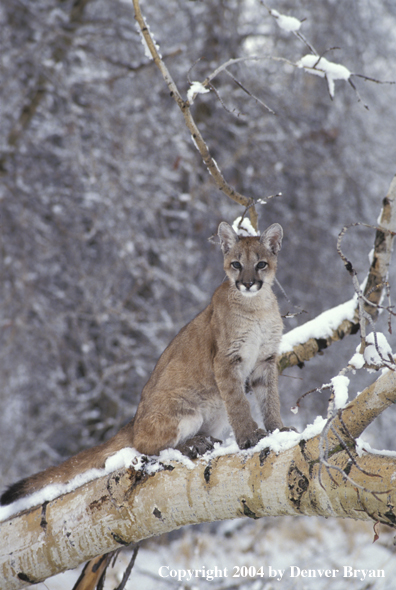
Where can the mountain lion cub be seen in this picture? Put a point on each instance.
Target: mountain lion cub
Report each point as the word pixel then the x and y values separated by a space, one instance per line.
pixel 198 386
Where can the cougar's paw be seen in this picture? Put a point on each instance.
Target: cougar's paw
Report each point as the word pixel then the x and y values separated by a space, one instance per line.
pixel 252 439
pixel 197 445
pixel 288 429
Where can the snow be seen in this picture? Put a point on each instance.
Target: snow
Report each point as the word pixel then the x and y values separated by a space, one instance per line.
pixel 168 455
pixel 357 361
pixel 244 227
pixel 290 24
pixel 340 389
pixel 320 327
pixel 147 51
pixel 320 66
pixel 195 88
pixel 372 356
pixel 375 357
pixel 194 142
pixel 363 447
pixel 314 429
pixel 216 166
pixel 123 458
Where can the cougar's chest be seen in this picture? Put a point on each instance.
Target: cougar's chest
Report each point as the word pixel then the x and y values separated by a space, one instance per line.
pixel 257 341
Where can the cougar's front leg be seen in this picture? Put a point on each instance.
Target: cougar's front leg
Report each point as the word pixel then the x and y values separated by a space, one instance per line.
pixel 264 382
pixel 232 390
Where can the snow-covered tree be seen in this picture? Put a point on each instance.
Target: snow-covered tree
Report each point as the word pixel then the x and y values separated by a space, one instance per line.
pixel 106 207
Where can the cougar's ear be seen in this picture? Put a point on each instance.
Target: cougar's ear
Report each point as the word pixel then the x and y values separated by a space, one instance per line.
pixel 228 238
pixel 272 238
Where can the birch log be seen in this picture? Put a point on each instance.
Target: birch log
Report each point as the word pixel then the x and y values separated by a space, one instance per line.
pixel 130 505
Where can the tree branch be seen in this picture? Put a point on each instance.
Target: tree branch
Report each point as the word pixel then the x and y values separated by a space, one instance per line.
pixel 295 349
pixel 369 404
pixel 306 349
pixel 383 245
pixel 184 106
pixel 127 505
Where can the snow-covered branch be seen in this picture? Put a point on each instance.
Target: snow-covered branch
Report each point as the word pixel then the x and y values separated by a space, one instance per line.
pixel 316 64
pixel 320 66
pixel 279 477
pixel 304 342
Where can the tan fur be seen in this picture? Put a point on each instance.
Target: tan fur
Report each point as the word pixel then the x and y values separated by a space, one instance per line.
pixel 198 385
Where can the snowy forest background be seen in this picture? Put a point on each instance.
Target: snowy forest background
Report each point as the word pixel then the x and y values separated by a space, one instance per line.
pixel 106 207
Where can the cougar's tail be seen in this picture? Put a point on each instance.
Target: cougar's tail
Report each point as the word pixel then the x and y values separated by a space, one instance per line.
pixel 94 458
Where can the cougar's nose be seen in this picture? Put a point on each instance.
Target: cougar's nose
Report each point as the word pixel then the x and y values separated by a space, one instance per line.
pixel 248 284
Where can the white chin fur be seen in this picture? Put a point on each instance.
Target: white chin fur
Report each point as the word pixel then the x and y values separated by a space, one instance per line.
pixel 247 293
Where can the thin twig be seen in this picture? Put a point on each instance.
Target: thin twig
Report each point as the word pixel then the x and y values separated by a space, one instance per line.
pixel 374 79
pixel 249 93
pixel 129 568
pixel 300 309
pixel 232 112
pixel 314 390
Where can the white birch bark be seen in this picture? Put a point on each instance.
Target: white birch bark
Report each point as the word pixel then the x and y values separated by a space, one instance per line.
pixel 128 506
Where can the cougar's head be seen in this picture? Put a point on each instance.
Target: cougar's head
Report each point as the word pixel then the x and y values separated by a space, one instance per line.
pixel 250 262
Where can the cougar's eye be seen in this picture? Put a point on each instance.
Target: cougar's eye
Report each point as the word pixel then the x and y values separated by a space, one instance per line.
pixel 237 265
pixel 262 264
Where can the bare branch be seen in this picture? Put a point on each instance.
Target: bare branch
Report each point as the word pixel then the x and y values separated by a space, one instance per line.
pixel 383 244
pixel 94 571
pixel 249 93
pixel 369 79
pixel 129 568
pixel 232 112
pixel 184 106
pixel 230 62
